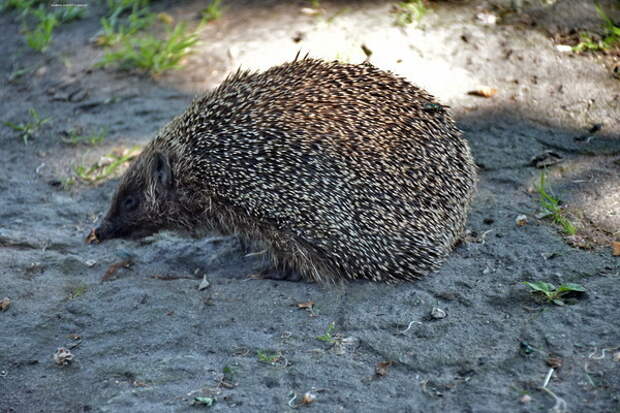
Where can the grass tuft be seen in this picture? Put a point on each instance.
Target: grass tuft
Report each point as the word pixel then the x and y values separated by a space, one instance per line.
pixel 609 39
pixel 552 206
pixel 152 54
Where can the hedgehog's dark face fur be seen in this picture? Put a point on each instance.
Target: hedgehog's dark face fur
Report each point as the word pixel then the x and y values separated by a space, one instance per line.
pixel 144 200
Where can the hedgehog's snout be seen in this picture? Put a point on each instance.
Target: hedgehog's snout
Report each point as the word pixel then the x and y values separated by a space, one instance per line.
pixel 106 230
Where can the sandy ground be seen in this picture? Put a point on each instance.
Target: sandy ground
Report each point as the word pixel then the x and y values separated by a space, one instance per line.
pixel 145 339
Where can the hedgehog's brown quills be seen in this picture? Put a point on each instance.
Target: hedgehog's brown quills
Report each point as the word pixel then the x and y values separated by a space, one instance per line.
pixel 342 171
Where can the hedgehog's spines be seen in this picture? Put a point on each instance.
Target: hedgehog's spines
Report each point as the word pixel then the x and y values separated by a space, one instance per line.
pixel 341 171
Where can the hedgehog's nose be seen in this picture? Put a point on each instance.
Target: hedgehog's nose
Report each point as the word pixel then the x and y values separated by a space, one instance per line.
pixel 104 231
pixel 92 237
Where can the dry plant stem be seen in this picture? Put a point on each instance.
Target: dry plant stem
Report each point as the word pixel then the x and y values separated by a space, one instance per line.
pixel 560 404
pixel 602 356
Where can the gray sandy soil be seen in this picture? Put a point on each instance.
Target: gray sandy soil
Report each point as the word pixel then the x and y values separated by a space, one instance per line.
pixel 145 339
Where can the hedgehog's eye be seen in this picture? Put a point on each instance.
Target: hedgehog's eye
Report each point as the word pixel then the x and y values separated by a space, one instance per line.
pixel 130 203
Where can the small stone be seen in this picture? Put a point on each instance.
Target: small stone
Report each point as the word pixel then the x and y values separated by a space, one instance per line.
pixel 616 356
pixel 308 398
pixel 5 304
pixel 310 11
pixel 525 399
pixel 63 357
pixel 563 48
pixel 437 313
pixel 486 18
pixel 521 220
pixel 204 284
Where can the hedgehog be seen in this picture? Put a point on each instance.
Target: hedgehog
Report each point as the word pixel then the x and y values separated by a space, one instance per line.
pixel 337 171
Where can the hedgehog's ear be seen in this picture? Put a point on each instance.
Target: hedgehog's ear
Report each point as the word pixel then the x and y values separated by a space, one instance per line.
pixel 162 171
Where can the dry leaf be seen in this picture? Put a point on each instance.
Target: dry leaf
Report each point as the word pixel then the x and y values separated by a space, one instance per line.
pixel 115 267
pixel 483 91
pixel 307 304
pixel 382 368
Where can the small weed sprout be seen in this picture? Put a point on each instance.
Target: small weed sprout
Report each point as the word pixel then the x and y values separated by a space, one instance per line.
pixel 118 7
pixel 29 129
pixel 212 12
pixel 77 291
pixel 66 14
pixel 552 206
pixel 74 137
pixel 610 38
pixel 268 358
pixel 114 32
pixel 553 294
pixel 106 168
pixel 328 337
pixel 409 11
pixel 228 373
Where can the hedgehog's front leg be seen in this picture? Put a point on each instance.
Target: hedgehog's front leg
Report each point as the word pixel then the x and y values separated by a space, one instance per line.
pixel 281 274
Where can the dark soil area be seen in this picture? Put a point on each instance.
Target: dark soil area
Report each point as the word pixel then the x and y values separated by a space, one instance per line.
pixel 146 339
